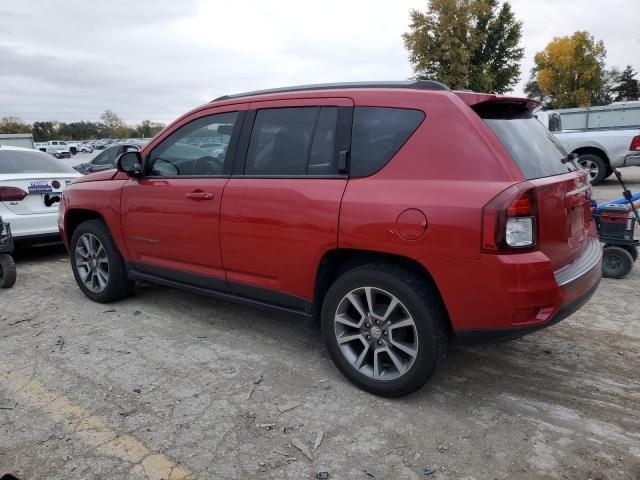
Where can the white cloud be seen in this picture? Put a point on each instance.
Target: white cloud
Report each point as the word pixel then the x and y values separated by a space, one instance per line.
pixel 72 59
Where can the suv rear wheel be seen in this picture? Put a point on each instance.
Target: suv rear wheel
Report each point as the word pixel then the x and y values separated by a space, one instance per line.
pixel 384 328
pixel 97 264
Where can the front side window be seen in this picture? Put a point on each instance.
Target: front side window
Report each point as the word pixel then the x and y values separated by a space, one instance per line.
pixel 292 141
pixel 108 157
pixel 196 149
pixel 377 134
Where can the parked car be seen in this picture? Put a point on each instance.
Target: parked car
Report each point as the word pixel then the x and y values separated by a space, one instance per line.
pixel 105 160
pixel 31 186
pixel 62 147
pixel 58 151
pixel 400 216
pixel 600 146
pixel 85 147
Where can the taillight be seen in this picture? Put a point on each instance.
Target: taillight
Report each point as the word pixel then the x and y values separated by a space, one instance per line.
pixel 11 194
pixel 509 220
pixel 635 144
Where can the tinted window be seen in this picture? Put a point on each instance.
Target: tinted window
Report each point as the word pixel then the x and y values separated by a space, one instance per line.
pixel 108 157
pixel 280 141
pixel 321 158
pixel 24 161
pixel 196 149
pixel 536 151
pixel 377 134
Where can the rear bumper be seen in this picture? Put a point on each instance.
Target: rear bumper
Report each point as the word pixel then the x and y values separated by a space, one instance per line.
pixel 632 160
pixel 31 226
pixel 530 296
pixel 479 337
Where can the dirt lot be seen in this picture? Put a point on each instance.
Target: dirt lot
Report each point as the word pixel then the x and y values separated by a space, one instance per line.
pixel 170 385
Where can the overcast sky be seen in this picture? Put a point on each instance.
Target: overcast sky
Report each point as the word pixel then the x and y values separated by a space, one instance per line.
pixel 72 59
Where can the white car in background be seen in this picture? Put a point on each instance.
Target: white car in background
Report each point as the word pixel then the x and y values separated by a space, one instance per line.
pixel 31 186
pixel 85 147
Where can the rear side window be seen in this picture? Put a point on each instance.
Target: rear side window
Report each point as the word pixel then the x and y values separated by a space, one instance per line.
pixel 534 149
pixel 292 141
pixel 377 134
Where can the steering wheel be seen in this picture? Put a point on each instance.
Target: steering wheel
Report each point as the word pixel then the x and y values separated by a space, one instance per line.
pixel 203 166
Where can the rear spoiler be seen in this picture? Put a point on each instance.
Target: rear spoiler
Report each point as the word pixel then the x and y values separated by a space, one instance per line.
pixel 488 104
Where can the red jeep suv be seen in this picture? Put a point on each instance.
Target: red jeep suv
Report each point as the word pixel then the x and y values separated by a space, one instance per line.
pixel 400 215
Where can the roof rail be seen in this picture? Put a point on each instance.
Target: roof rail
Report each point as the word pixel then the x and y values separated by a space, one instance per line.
pixel 409 84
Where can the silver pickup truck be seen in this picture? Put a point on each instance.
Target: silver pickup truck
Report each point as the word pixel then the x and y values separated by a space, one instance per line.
pixel 602 137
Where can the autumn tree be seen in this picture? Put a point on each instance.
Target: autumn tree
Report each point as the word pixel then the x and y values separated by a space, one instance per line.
pixel 627 86
pixel 466 44
pixel 14 125
pixel 569 72
pixel 113 121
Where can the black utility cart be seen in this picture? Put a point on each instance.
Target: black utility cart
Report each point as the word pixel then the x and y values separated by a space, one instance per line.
pixel 7 265
pixel 616 221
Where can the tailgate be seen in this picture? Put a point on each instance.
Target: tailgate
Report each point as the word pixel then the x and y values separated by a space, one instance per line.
pixel 564 216
pixel 563 194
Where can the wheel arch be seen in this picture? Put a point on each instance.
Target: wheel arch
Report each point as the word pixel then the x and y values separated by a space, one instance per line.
pixel 593 151
pixel 337 261
pixel 74 217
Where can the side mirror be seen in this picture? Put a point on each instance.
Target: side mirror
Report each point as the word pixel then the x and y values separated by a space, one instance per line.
pixel 130 163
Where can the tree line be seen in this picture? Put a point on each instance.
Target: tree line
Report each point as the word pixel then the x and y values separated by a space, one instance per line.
pixel 475 45
pixel 109 126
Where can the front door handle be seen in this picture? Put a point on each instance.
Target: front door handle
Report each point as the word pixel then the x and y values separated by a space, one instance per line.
pixel 200 195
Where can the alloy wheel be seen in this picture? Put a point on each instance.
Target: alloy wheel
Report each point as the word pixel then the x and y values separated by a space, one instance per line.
pixel 92 263
pixel 591 167
pixel 376 333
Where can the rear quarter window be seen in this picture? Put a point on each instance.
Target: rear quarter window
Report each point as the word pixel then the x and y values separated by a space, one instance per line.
pixel 377 134
pixel 534 149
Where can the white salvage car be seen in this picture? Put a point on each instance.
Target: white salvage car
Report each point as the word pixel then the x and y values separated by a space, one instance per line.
pixel 31 186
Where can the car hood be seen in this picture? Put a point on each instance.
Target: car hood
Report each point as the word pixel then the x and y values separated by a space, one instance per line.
pixel 97 177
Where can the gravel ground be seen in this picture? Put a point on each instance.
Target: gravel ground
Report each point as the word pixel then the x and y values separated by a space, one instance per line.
pixel 170 385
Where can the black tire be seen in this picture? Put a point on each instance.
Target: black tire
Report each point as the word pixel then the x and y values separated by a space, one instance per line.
pixel 598 163
pixel 8 272
pixel 423 305
pixel 633 251
pixel 118 285
pixel 609 172
pixel 616 262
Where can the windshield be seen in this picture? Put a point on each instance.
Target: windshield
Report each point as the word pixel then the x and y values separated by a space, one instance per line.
pixel 25 161
pixel 534 149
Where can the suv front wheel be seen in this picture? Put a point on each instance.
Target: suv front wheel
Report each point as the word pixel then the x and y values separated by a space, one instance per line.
pixel 384 328
pixel 97 264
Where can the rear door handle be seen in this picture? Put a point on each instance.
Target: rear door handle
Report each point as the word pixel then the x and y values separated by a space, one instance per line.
pixel 200 195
